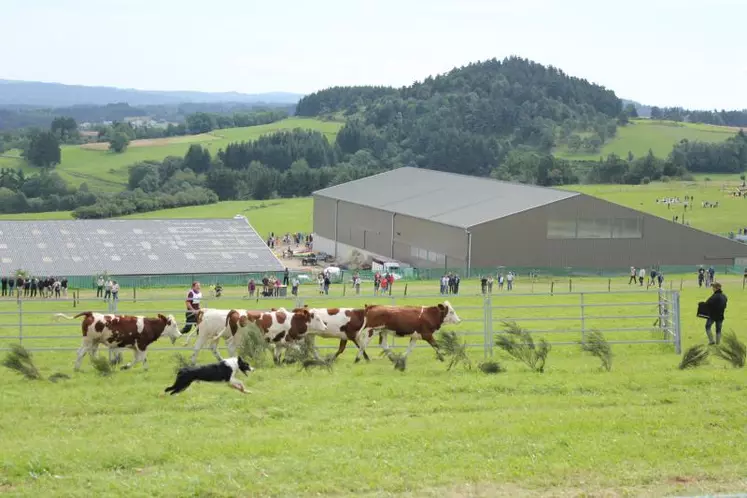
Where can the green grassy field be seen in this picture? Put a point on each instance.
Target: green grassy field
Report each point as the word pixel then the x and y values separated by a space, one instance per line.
pixel 643 429
pixel 644 134
pixel 106 171
pixel 729 216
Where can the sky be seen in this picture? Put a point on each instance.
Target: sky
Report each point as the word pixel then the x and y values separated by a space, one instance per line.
pixel 657 52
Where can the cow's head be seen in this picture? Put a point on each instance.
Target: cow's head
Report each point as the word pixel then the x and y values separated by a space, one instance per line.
pixel 170 329
pixel 313 319
pixel 448 313
pixel 244 366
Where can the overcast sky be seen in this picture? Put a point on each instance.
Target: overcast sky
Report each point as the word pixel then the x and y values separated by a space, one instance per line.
pixel 660 52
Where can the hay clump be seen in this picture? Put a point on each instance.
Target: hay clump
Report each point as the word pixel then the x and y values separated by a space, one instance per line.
pixel 58 376
pixel 520 344
pixel 398 359
pixel 19 360
pixel 694 357
pixel 327 363
pixel 732 350
pixel 300 352
pixel 449 345
pixel 598 346
pixel 491 367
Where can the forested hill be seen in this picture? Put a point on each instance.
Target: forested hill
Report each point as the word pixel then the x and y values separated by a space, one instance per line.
pixel 471 118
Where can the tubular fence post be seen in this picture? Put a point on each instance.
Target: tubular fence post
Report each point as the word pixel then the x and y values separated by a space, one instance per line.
pixel 488 314
pixel 405 289
pixel 609 285
pixel 583 321
pixel 570 285
pixel 552 286
pixel 20 321
pixel 134 294
pixel 677 334
pixel 681 285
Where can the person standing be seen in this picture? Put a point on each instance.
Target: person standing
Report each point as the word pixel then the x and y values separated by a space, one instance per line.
pixel 510 281
pixel 484 284
pixel 115 290
pixel 490 284
pixel 4 283
pixel 194 296
pixel 701 276
pixel 294 291
pixel 632 275
pixel 357 284
pixel 63 283
pixel 642 276
pixel 108 287
pixel 716 306
pixel 100 286
pixel 286 277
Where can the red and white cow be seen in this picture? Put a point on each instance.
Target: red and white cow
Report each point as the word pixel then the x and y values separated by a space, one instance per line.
pixel 119 332
pixel 211 326
pixel 278 327
pixel 342 323
pixel 416 322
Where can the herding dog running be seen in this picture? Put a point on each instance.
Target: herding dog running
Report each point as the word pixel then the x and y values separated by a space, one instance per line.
pixel 223 371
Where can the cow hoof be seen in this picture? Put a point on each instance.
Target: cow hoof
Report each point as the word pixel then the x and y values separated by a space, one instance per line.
pixel 125 367
pixel 357 360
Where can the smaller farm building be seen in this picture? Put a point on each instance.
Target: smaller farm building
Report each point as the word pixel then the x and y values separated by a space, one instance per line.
pixel 432 219
pixel 187 247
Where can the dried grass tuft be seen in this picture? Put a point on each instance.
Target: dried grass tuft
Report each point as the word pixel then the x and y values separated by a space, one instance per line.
pixel 732 350
pixel 491 367
pixel 449 345
pixel 520 344
pixel 694 357
pixel 19 360
pixel 598 346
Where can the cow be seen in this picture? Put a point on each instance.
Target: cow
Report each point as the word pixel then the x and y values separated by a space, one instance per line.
pixel 417 322
pixel 342 323
pixel 211 326
pixel 118 332
pixel 278 327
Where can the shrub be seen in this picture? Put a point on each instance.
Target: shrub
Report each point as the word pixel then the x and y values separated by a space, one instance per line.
pixel 491 367
pixel 519 343
pixel 732 350
pixel 665 179
pixel 253 348
pixel 598 346
pixel 19 359
pixel 694 357
pixel 449 345
pixel 645 180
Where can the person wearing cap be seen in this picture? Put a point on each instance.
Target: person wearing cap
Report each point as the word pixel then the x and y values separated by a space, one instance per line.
pixel 716 305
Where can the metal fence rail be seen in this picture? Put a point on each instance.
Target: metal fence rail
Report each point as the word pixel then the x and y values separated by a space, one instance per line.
pixel 24 322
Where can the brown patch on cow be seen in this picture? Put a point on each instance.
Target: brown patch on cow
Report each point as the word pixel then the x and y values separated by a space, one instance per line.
pixel 278 337
pixel 200 317
pixel 354 324
pixel 265 321
pixel 280 316
pixel 333 311
pixel 98 327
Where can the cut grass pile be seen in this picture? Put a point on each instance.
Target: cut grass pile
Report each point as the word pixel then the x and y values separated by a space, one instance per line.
pixel 645 428
pixel 659 136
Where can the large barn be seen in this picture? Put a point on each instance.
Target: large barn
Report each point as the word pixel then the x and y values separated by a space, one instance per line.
pixel 134 247
pixel 433 219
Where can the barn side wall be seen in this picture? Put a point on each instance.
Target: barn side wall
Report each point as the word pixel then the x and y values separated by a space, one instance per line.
pixel 524 240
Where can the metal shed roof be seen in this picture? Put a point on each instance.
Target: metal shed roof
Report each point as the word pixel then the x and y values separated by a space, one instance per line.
pixel 449 198
pixel 134 247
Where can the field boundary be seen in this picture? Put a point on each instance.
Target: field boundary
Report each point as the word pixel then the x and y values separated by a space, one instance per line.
pixel 482 320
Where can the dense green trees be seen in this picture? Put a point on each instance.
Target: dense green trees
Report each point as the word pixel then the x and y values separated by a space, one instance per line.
pixel 43 150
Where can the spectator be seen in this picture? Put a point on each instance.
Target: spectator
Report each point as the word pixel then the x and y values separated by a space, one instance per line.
pixel 632 275
pixel 377 283
pixel 501 279
pixel 510 281
pixel 286 278
pixel 11 283
pixel 108 288
pixel 484 284
pixel 252 286
pixel 383 285
pixel 660 277
pixel 34 285
pixel 63 284
pixel 716 306
pixel 56 286
pixel 320 280
pixel 357 283
pixel 4 285
pixel 115 290
pixel 701 276
pixel 642 276
pixel 326 282
pixel 390 281
pixel 490 284
pixel 295 286
pixel 277 287
pixel 444 284
pixel 194 296
pixel 456 283
pixel 100 286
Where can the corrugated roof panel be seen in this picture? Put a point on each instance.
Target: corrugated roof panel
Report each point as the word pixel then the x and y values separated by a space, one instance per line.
pixel 134 247
pixel 448 198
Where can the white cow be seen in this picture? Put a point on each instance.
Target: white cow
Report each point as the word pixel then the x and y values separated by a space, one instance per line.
pixel 211 326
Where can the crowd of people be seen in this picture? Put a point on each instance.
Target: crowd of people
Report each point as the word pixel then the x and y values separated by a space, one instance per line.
pixel 33 287
pixel 107 288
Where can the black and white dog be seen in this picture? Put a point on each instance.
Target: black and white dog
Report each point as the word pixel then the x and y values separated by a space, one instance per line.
pixel 223 371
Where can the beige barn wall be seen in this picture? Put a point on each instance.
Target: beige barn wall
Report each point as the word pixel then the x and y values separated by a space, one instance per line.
pixel 521 240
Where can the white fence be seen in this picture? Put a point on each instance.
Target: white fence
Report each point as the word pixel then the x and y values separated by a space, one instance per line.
pixel 630 317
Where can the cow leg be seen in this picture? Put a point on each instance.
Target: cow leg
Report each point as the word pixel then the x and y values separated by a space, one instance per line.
pixel 410 346
pixel 84 348
pixel 198 346
pixel 139 356
pixel 430 340
pixel 343 344
pixel 366 339
pixel 355 341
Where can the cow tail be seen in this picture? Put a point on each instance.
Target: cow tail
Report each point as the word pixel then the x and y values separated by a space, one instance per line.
pixel 58 316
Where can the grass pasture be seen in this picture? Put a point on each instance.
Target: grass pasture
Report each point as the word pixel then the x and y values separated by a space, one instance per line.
pixel 643 134
pixel 645 428
pixel 108 171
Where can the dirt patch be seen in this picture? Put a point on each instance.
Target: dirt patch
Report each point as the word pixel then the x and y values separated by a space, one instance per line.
pixel 154 142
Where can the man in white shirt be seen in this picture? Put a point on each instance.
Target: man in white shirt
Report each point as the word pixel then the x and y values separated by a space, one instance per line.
pixel 194 296
pixel 510 280
pixel 642 276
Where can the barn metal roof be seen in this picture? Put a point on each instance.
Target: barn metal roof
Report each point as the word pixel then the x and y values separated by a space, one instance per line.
pixel 449 198
pixel 134 247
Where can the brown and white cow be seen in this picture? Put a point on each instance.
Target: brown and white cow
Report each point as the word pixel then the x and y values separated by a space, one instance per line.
pixel 416 322
pixel 278 327
pixel 342 323
pixel 118 332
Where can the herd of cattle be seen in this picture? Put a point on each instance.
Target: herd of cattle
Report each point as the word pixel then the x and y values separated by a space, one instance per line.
pixel 279 327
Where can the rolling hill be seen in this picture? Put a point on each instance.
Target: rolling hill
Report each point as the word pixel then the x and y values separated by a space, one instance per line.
pixel 36 93
pixel 106 171
pixel 640 135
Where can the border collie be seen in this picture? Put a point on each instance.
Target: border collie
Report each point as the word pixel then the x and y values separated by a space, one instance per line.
pixel 223 371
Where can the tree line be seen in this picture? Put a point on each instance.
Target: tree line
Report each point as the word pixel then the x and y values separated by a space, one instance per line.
pixel 721 118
